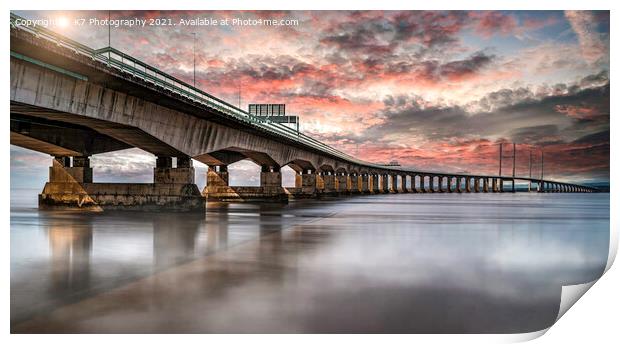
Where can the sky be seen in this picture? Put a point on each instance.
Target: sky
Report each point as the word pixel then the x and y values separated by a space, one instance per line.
pixel 432 90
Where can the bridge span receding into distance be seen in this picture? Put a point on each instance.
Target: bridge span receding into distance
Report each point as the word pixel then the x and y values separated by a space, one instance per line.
pixel 71 101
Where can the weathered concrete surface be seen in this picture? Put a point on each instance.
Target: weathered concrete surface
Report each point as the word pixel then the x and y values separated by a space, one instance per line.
pixel 342 183
pixel 355 184
pixel 144 124
pixel 121 196
pixel 305 186
pixel 375 187
pixel 217 188
pixel 246 194
pixel 326 184
pixel 72 187
pixel 364 183
pixel 60 139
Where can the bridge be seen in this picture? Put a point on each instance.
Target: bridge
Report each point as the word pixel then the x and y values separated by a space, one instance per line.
pixel 72 102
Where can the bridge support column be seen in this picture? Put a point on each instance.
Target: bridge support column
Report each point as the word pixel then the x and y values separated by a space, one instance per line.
pixel 403 187
pixel 501 185
pixel 449 184
pixel 412 188
pixel 328 183
pixel 431 183
pixel 355 183
pixel 541 186
pixel 61 170
pixel 485 184
pixel 394 183
pixel 375 187
pixel 165 173
pixel 270 177
pixel 341 182
pixel 364 187
pixel 476 184
pixel 72 187
pixel 305 184
pixel 422 183
pixel 468 184
pixel 217 176
pixel 385 183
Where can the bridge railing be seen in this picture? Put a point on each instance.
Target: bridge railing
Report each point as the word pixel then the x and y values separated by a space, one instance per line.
pixel 128 64
pixel 137 68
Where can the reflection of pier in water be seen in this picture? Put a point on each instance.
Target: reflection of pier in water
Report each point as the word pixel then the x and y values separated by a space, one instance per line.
pixel 70 242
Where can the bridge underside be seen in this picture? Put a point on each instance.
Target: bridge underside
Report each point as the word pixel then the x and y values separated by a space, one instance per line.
pixel 72 119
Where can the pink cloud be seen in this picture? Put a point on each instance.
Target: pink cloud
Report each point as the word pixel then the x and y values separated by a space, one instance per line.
pixel 584 24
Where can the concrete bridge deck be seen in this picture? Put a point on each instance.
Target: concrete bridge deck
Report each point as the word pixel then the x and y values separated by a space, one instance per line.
pixel 72 102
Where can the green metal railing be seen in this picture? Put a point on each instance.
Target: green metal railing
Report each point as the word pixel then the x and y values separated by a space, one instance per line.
pixel 128 64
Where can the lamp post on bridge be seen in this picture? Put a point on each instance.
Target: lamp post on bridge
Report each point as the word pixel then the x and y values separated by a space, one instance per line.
pixel 501 145
pixel 194 57
pixel 529 186
pixel 514 165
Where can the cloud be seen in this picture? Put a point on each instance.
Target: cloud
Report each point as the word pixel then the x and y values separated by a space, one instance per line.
pixel 423 134
pixel 420 86
pixel 584 24
pixel 490 23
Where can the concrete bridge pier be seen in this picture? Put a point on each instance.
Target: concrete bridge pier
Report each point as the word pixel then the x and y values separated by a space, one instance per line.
pixel 355 183
pixel 468 184
pixel 431 183
pixel 501 185
pixel 394 186
pixel 374 181
pixel 420 184
pixel 485 184
pixel 72 187
pixel 341 182
pixel 305 184
pixel 403 184
pixel 364 187
pixel 385 183
pixel 459 183
pixel 270 185
pixel 327 183
pixel 270 189
pixel 476 184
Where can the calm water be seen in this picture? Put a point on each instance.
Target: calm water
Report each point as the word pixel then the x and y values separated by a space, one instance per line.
pixel 383 263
